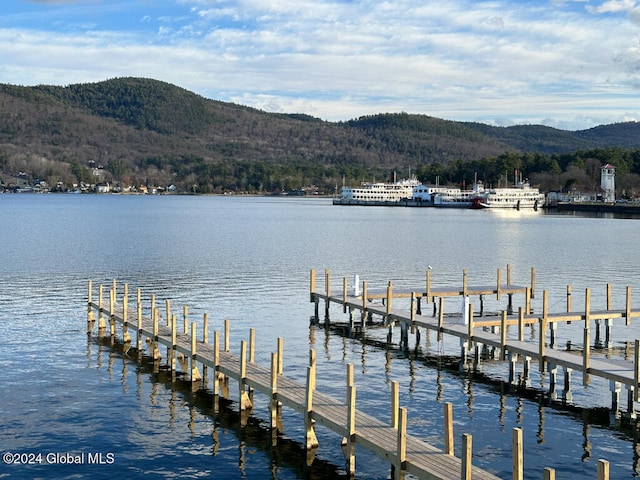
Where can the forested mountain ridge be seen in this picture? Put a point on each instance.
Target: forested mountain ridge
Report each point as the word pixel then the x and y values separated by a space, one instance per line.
pixel 137 131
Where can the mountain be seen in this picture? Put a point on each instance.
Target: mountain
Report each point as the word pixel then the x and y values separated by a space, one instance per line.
pixel 144 131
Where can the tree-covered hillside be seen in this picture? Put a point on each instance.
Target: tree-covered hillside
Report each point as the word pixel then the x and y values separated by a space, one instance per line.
pixel 134 131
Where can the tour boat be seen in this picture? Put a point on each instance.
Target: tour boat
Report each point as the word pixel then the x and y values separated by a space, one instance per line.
pixel 378 193
pixel 520 196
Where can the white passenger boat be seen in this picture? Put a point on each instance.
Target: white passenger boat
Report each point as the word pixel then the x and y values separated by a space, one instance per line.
pixel 521 196
pixel 378 193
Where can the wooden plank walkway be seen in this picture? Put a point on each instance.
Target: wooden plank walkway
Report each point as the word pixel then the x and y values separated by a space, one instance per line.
pixel 473 330
pixel 389 441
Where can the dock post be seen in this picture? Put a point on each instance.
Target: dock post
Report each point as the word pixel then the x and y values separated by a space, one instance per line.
pixel 543 329
pixel 126 337
pixel 631 410
pixel 216 371
pixel 311 441
pixel 553 381
pixel 533 282
pixel 441 319
pixel 345 292
pixel 349 379
pixel 101 323
pixel 312 285
pixel 274 405
pixel 467 442
pixel 628 307
pixel 327 284
pixel 205 328
pixel 395 403
pixel 498 284
pixel 156 351
pixel 252 358
pixel 351 430
pixel 517 454
pixel 586 350
pixel 520 324
pixel 174 342
pixel 243 398
pixel 195 374
pixel 616 388
pixel 608 326
pixel 365 314
pixel 552 334
pixel 568 395
pixel 280 355
pixel 112 313
pixel 90 316
pixel 513 358
pixel 527 301
pixel 603 470
pixel 503 335
pixel 548 474
pixel 636 370
pixel 167 305
pixel 153 305
pixel 464 282
pixel 401 454
pixel 428 292
pixel 139 329
pixel 527 371
pixel 569 297
pixel 448 428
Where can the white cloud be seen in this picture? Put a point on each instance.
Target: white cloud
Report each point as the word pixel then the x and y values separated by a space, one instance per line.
pixel 461 60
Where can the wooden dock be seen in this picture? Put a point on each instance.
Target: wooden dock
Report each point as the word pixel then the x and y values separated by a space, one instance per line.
pixel 475 331
pixel 389 441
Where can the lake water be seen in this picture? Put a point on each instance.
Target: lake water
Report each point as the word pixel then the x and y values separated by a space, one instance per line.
pixel 248 260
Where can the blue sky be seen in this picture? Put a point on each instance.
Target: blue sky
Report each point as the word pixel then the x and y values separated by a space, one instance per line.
pixel 570 64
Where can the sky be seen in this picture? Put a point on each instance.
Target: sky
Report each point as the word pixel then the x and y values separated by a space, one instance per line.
pixel 569 64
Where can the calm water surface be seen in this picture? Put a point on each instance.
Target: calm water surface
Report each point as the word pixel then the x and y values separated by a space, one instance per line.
pixel 248 260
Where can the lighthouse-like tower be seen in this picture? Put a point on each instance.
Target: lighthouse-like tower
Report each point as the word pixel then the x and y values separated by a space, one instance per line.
pixel 608 183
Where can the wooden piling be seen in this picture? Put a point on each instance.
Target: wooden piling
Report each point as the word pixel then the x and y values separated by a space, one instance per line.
pixel 90 316
pixel 548 474
pixel 543 329
pixel 603 470
pixel 126 337
pixel 280 355
pixel 351 430
pixel 112 318
pixel 586 350
pixel 195 373
pixel 503 335
pixel 395 403
pixel 101 323
pixel 448 428
pixel 517 454
pixel 139 326
pixel 636 372
pixel 275 407
pixel 401 455
pixel 243 399
pixel 628 307
pixel 467 445
pixel 226 335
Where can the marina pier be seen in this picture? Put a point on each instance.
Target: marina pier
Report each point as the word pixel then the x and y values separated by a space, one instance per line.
pixel 475 332
pixel 155 330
